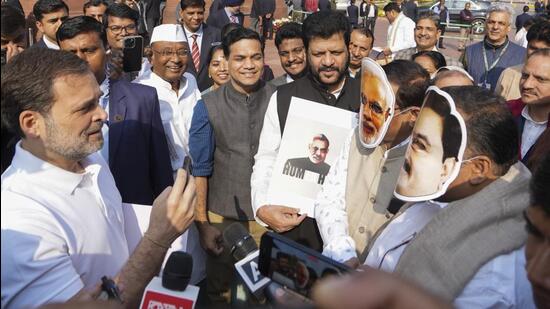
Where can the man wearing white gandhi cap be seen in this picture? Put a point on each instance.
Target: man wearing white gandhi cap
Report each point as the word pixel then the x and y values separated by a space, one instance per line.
pixel 178 94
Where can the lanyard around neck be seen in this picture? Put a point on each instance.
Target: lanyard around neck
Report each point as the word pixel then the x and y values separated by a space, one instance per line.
pixel 489 68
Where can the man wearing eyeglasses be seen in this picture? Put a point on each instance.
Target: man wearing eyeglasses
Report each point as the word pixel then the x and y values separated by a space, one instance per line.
pixel 178 94
pixel 312 168
pixel 120 21
pixel 49 15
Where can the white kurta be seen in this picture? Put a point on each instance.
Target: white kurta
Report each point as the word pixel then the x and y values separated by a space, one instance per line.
pixel 401 33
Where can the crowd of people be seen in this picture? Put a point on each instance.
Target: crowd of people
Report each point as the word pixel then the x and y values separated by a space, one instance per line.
pixel 83 138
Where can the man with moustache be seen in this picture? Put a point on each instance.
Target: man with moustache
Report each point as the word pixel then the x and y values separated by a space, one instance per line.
pixel 326 38
pixel 314 163
pixel 135 146
pixel 177 94
pixel 289 41
pixel 532 110
pixel 360 45
pixel 426 33
pixel 200 36
pixel 486 60
pixel 356 198
pixel 223 140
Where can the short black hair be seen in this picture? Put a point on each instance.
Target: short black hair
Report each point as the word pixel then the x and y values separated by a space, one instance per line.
pixel 539 31
pixel 491 128
pixel 540 195
pixel 436 57
pixel 392 6
pixel 236 35
pixel 291 30
pixel 525 8
pixel 94 3
pixel 42 7
pixel 28 79
pixel 451 137
pixel 366 32
pixel 120 10
pixel 78 25
pixel 192 3
pixel 12 20
pixel 213 50
pixel 228 28
pixel 324 24
pixel 412 80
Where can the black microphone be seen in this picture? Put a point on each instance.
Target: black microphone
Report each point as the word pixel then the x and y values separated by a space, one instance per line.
pixel 237 238
pixel 173 289
pixel 177 272
pixel 245 251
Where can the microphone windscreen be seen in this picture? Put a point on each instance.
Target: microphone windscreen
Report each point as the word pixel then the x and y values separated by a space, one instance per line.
pixel 177 271
pixel 237 238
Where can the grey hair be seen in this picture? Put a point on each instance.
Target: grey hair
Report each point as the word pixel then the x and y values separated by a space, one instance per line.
pixel 429 15
pixel 501 7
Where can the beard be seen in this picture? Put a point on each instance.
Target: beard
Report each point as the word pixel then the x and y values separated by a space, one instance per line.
pixel 341 73
pixel 68 146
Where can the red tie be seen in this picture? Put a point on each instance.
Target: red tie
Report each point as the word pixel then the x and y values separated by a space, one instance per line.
pixel 234 19
pixel 195 52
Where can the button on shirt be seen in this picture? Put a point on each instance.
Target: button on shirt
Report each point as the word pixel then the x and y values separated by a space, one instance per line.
pixel 61 231
pixel 531 131
pixel 176 112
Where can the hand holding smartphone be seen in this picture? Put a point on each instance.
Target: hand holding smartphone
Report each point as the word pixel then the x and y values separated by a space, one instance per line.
pixel 132 53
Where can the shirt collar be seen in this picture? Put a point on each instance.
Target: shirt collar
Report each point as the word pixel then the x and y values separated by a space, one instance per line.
pixel 492 46
pixel 50 44
pixel 525 114
pixel 104 87
pixel 188 32
pixel 27 163
pixel 289 79
pixel 162 83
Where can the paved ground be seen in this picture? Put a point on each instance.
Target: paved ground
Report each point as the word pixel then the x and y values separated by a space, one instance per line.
pixel 272 59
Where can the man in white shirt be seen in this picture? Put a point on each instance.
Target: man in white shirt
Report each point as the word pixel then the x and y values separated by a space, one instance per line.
pixel 355 199
pixel 178 94
pixel 49 15
pixel 62 220
pixel 490 193
pixel 401 30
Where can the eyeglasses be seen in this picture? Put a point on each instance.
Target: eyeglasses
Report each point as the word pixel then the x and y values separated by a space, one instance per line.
pixel 170 53
pixel 118 29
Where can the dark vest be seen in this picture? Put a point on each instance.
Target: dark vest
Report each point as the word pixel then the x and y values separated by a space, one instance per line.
pixel 307 233
pixel 237 121
pixel 513 55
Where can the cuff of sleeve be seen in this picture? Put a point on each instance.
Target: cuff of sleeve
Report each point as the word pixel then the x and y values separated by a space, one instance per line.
pixel 202 170
pixel 260 222
pixel 343 252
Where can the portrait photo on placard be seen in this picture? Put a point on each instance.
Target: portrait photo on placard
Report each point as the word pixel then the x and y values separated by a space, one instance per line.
pixel 310 145
pixel 434 155
pixel 377 104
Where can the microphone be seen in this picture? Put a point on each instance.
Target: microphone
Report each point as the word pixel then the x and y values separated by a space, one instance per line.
pixel 245 251
pixel 173 289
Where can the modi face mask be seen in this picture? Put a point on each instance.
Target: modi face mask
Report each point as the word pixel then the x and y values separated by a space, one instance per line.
pixel 377 104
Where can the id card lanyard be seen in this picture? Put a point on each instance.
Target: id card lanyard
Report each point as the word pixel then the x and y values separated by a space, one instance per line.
pixel 493 65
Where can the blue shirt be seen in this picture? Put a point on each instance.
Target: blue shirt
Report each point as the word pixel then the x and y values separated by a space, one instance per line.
pixel 201 142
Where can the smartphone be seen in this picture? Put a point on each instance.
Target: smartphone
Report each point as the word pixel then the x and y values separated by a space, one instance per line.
pixel 293 265
pixel 132 53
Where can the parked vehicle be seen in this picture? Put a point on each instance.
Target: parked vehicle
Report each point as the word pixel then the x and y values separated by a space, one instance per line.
pixel 478 9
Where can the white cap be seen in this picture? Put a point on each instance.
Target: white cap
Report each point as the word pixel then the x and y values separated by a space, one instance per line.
pixel 168 33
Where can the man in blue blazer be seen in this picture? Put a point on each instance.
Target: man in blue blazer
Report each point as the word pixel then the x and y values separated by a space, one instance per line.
pixel 231 13
pixel 135 144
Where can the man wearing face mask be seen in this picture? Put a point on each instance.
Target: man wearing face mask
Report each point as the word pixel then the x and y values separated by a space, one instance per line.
pixel 326 38
pixel 346 222
pixel 485 206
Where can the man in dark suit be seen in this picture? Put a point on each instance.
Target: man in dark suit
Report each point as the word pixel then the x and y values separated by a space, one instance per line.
pixel 522 18
pixel 353 14
pixel 369 11
pixel 49 15
pixel 231 13
pixel 324 5
pixel 152 14
pixel 200 36
pixel 135 146
pixel 410 9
